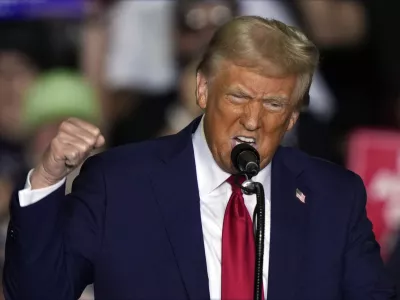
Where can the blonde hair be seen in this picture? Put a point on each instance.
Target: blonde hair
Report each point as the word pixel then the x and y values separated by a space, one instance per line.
pixel 268 46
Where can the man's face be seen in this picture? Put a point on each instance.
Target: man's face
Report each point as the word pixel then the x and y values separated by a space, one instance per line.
pixel 243 106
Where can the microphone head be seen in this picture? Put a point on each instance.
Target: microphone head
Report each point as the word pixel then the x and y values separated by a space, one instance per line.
pixel 246 159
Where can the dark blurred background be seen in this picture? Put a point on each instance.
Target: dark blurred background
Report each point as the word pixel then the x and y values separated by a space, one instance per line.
pixel 129 67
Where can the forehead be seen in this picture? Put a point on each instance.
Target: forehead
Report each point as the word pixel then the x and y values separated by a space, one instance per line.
pixel 231 77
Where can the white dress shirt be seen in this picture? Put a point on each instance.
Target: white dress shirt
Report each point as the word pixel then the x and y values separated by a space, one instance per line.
pixel 214 196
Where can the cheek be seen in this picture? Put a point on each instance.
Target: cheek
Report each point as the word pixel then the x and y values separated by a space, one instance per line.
pixel 214 105
pixel 226 113
pixel 223 115
pixel 273 130
pixel 222 122
pixel 275 125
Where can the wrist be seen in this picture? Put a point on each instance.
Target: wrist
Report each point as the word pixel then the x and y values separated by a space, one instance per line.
pixel 40 179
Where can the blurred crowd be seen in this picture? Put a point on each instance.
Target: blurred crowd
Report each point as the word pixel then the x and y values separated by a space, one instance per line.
pixel 129 67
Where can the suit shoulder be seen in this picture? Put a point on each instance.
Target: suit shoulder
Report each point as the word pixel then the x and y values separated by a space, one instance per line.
pixel 322 169
pixel 146 152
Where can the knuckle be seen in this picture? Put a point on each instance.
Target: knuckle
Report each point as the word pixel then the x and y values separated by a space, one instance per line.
pixel 92 141
pixel 64 126
pixel 73 155
pixel 61 135
pixel 85 148
pixel 77 148
pixel 96 131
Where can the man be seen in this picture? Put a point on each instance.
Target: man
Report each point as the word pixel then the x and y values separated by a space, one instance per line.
pixel 154 220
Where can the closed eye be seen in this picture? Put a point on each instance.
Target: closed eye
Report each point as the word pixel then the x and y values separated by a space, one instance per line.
pixel 237 98
pixel 274 105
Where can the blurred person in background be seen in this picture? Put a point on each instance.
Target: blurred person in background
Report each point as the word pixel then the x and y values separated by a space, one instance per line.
pixel 158 80
pixel 384 23
pixel 182 111
pixel 340 29
pixel 196 22
pixel 139 73
pixel 359 60
pixel 24 54
pixel 94 40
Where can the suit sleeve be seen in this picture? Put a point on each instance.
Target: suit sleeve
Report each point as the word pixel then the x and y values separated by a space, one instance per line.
pixel 27 196
pixel 53 244
pixel 365 276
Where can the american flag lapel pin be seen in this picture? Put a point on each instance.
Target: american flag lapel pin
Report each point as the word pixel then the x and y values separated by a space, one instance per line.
pixel 300 196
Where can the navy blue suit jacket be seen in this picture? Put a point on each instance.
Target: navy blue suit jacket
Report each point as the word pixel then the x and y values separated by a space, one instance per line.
pixel 132 226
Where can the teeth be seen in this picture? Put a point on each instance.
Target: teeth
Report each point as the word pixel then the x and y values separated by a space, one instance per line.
pixel 243 139
pixel 237 142
pixel 246 139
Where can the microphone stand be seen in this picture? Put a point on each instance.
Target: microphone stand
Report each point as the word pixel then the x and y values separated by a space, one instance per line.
pixel 259 221
pixel 259 228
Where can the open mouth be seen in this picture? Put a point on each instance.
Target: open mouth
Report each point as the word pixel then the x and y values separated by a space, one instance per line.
pixel 242 139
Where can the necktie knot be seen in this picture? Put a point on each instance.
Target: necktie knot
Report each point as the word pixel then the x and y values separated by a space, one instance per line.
pixel 236 181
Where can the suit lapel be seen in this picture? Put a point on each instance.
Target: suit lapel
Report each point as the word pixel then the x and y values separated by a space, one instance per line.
pixel 288 231
pixel 176 191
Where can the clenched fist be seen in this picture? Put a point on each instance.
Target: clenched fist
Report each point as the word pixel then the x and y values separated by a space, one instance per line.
pixel 74 142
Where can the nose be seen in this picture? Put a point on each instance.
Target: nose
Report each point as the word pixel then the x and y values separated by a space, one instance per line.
pixel 251 116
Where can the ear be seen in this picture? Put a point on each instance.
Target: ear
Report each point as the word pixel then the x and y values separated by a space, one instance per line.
pixel 293 119
pixel 201 90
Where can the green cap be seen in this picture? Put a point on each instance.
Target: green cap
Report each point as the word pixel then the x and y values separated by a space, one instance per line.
pixel 57 95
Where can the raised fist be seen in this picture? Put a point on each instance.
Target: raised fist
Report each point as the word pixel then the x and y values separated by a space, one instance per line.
pixel 74 142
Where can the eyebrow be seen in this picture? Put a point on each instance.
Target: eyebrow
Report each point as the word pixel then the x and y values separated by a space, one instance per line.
pixel 279 98
pixel 237 90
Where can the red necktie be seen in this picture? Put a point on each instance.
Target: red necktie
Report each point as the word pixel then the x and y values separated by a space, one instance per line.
pixel 238 248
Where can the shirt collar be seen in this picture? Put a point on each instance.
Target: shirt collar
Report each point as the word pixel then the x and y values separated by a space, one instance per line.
pixel 209 175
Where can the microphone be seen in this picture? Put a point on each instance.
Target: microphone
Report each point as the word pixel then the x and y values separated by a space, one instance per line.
pixel 246 159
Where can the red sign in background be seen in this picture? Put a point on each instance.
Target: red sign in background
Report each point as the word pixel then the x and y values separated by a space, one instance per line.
pixel 375 156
